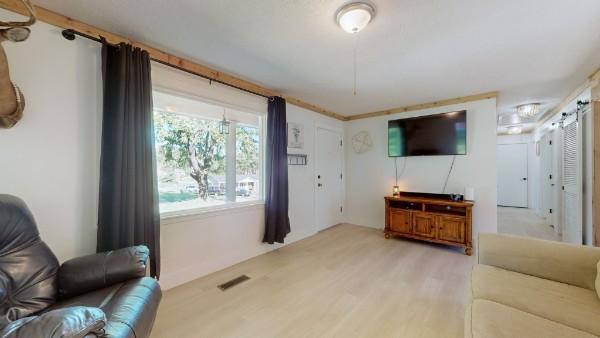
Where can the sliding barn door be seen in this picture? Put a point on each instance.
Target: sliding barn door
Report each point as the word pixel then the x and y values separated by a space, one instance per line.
pixel 572 172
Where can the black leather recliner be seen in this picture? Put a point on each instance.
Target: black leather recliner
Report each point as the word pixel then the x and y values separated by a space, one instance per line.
pixel 100 295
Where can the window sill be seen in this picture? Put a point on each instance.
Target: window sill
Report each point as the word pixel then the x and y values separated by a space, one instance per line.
pixel 173 217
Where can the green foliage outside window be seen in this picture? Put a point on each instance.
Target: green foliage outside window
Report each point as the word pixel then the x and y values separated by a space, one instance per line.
pixel 197 147
pixel 193 144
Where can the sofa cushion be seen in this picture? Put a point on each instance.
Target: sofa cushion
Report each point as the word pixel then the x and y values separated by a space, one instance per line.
pixel 487 319
pixel 597 285
pixel 130 307
pixel 561 303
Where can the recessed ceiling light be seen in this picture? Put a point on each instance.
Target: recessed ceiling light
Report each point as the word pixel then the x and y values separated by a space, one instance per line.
pixel 528 110
pixel 514 130
pixel 355 16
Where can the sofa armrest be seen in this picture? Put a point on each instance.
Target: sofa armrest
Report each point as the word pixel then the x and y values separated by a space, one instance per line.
pixel 93 272
pixel 560 262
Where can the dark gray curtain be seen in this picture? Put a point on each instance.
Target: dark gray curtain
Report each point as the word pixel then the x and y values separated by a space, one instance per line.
pixel 128 205
pixel 277 222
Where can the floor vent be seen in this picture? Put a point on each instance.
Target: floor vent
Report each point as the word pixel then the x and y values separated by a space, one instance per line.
pixel 233 282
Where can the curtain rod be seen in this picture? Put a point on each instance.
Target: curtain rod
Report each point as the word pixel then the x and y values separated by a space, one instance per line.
pixel 70 34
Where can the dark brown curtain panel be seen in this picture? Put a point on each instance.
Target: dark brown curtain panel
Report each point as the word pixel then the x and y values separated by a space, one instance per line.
pixel 277 222
pixel 128 205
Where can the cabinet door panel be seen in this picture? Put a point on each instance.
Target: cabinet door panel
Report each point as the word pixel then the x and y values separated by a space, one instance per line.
pixel 400 221
pixel 452 229
pixel 423 225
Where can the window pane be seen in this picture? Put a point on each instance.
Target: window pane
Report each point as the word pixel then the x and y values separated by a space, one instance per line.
pixel 247 163
pixel 191 145
pixel 191 161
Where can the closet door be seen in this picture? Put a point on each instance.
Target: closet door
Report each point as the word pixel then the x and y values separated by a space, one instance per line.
pixel 572 172
pixel 546 180
pixel 512 175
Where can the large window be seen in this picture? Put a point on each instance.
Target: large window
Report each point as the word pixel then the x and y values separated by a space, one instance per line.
pixel 201 161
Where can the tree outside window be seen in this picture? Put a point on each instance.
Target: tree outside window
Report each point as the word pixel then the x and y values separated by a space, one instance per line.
pixel 192 161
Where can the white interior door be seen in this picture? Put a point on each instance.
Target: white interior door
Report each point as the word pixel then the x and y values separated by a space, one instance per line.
pixel 512 175
pixel 572 188
pixel 556 180
pixel 548 160
pixel 328 177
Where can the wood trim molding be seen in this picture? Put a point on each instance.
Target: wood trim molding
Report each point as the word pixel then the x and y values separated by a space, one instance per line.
pixel 596 164
pixel 591 82
pixel 64 22
pixel 434 104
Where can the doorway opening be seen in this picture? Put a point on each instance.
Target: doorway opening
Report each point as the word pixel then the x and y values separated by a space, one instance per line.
pixel 545 178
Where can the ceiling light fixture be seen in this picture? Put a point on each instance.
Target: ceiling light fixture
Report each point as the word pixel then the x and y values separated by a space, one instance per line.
pixel 514 130
pixel 528 110
pixel 352 18
pixel 355 16
pixel 515 119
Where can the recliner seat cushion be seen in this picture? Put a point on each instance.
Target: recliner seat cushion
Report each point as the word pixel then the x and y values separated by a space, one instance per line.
pixel 569 305
pixel 27 266
pixel 488 319
pixel 130 307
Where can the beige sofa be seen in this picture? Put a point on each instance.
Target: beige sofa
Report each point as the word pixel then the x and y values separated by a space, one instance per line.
pixel 532 288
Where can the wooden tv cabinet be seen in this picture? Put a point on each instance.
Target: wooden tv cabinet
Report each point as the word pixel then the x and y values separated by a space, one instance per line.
pixel 430 219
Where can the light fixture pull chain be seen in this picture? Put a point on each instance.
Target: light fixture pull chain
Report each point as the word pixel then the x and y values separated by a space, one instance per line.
pixel 354 65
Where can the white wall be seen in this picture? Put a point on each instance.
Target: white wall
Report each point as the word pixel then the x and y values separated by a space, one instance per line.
pixel 51 157
pixel 198 245
pixel 370 176
pixel 533 163
pixel 51 160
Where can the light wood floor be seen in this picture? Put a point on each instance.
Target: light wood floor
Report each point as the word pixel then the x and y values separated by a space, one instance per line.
pixel 524 222
pixel 347 281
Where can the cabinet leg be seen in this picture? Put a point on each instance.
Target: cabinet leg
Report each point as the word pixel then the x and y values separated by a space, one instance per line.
pixel 468 251
pixel 387 235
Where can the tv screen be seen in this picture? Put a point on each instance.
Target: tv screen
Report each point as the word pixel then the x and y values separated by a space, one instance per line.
pixel 440 134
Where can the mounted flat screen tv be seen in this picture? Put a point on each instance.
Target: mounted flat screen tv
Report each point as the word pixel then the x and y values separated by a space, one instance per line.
pixel 440 134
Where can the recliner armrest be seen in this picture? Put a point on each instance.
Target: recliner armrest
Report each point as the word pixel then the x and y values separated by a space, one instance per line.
pixel 560 262
pixel 93 272
pixel 73 322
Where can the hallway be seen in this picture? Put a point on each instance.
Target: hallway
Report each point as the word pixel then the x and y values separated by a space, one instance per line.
pixel 524 222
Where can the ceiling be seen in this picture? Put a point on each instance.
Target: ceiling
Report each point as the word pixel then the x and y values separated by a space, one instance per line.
pixel 414 51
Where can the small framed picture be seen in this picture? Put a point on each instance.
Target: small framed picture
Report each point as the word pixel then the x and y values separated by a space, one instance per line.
pixel 295 135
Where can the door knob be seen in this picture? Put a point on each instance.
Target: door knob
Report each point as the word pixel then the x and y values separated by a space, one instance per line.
pixel 524 178
pixel 319 185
